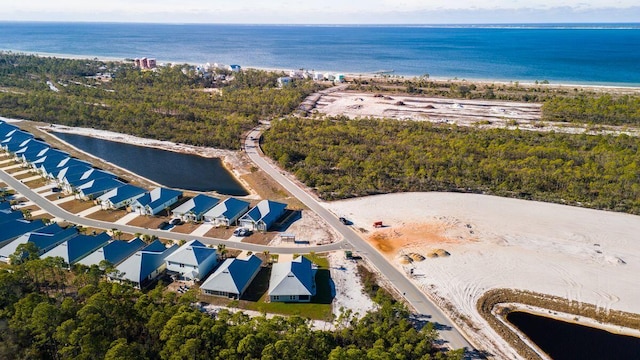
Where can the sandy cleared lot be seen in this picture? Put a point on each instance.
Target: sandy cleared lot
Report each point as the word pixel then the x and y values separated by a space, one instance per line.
pixel 579 254
pixel 480 113
pixel 406 107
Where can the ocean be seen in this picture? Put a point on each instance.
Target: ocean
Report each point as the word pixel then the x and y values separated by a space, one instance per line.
pixel 597 54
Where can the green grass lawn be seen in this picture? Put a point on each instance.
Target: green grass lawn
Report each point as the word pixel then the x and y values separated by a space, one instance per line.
pixel 255 298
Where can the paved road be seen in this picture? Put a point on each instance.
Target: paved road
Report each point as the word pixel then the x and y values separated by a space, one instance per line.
pixel 58 212
pixel 416 298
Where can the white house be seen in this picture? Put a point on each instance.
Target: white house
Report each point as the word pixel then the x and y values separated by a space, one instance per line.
pixel 155 201
pixel 227 212
pixel 232 278
pixel 144 265
pixel 121 196
pixel 262 216
pixel 293 281
pixel 195 208
pixel 192 261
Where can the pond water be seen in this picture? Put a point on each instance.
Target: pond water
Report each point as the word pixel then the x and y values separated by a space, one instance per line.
pixel 563 340
pixel 171 169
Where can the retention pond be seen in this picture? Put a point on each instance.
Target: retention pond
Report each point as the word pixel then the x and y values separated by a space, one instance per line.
pixel 564 340
pixel 171 169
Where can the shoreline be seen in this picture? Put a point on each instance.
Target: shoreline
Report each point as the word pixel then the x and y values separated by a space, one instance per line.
pixel 365 75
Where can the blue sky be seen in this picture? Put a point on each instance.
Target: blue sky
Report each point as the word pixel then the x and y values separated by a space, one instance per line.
pixel 324 12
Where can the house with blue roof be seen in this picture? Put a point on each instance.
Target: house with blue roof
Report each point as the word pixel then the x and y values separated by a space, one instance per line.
pixel 262 216
pixel 49 158
pixel 120 197
pixel 293 281
pixel 74 180
pixel 6 129
pixel 31 149
pixel 194 208
pixel 114 252
pixel 57 171
pixel 77 247
pixel 232 278
pixel 94 188
pixel 45 239
pixel 192 261
pixel 227 212
pixel 155 201
pixel 13 229
pixel 144 265
pixel 14 140
pixel 7 215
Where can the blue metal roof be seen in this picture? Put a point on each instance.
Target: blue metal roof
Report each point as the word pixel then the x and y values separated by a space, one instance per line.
pixel 51 158
pixel 13 229
pixel 126 192
pixel 114 252
pixel 230 208
pixel 99 186
pixel 15 140
pixel 158 196
pixel 6 217
pixel 78 247
pixel 78 179
pixel 233 275
pixel 6 128
pixel 44 238
pixel 198 205
pixel 137 267
pixel 266 211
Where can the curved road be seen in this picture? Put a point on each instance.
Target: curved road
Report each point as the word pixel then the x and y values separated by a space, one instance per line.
pixel 58 212
pixel 414 296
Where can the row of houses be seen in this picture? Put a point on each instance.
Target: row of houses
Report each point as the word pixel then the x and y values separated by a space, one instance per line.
pixel 138 263
pixel 74 176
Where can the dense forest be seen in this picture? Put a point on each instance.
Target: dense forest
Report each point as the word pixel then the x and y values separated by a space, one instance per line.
pixel 344 158
pixel 600 110
pixel 174 103
pixel 48 312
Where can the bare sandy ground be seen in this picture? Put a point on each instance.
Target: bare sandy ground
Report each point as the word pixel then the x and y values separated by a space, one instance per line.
pixel 579 254
pixel 479 113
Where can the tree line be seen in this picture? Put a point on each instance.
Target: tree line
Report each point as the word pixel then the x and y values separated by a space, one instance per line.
pixel 47 312
pixel 342 158
pixel 169 104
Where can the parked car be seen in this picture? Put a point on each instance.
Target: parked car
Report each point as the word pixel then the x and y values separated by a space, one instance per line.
pixel 55 189
pixel 241 232
pixel 175 221
pixel 163 225
pixel 344 221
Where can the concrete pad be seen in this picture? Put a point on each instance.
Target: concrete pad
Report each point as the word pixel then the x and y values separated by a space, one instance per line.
pixel 47 187
pixel 285 258
pixel 21 172
pixel 90 210
pixel 64 199
pixel 35 177
pixel 38 213
pixel 14 166
pixel 5 161
pixel 125 219
pixel 201 230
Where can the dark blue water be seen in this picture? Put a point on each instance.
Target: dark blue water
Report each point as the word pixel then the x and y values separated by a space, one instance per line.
pixel 564 341
pixel 596 54
pixel 172 169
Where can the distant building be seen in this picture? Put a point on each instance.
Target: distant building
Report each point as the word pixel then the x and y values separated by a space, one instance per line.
pixel 284 81
pixel 234 68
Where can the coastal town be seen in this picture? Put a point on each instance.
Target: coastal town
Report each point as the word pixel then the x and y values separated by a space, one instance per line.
pixel 291 243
